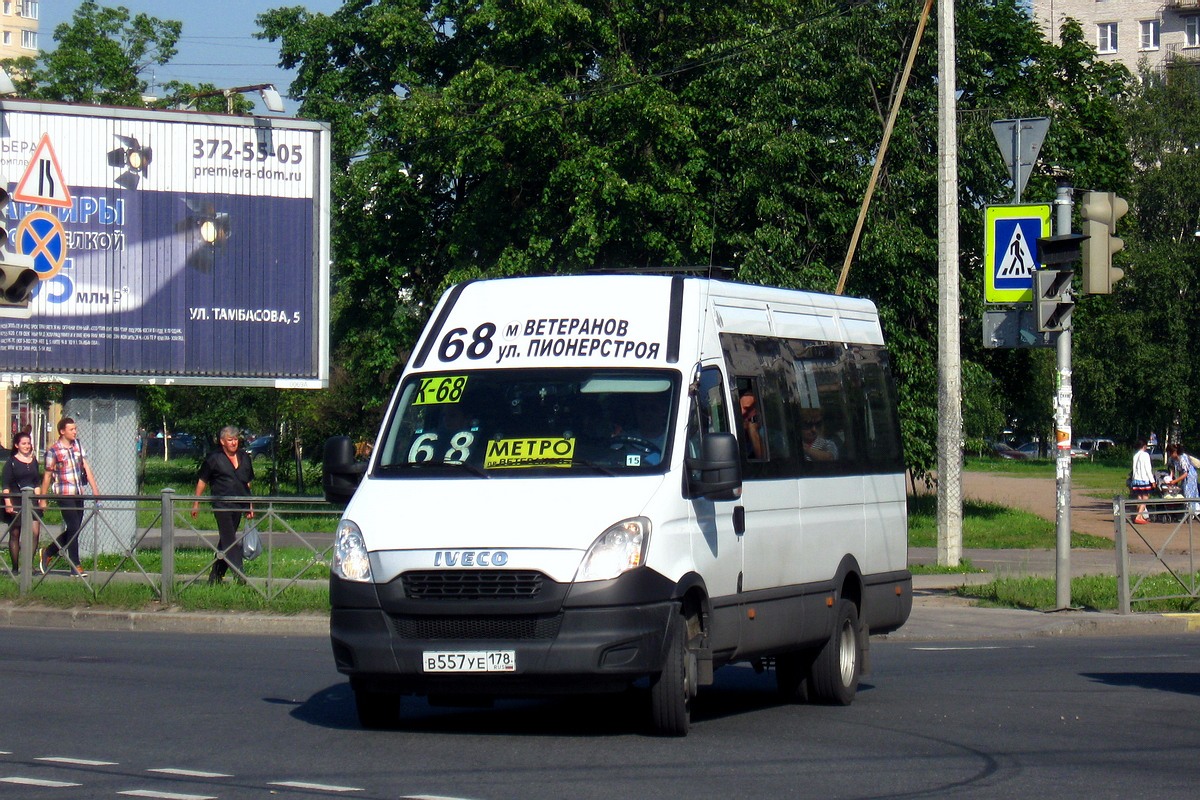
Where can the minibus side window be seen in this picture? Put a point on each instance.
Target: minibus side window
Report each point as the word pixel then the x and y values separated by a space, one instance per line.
pixel 881 426
pixel 707 412
pixel 827 436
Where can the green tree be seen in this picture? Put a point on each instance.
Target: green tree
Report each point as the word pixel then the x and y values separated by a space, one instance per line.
pixel 1136 363
pixel 483 139
pixel 100 57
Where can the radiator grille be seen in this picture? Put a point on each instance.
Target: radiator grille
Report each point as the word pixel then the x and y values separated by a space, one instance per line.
pixel 483 584
pixel 506 627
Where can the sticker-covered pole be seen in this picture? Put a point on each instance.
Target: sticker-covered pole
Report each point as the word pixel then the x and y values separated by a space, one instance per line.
pixel 1062 424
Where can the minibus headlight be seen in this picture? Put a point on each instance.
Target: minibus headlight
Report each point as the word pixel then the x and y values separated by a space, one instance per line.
pixel 350 558
pixel 619 549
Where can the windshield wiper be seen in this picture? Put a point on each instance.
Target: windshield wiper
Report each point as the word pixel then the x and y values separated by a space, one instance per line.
pixel 607 470
pixel 453 465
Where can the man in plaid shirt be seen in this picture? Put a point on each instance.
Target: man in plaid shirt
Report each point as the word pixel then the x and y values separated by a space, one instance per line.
pixel 67 466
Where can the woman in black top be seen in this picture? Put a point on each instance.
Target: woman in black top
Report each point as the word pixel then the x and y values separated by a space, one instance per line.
pixel 20 472
pixel 229 472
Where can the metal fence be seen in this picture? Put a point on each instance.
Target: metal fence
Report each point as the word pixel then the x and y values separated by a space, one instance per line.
pixel 154 540
pixel 1183 534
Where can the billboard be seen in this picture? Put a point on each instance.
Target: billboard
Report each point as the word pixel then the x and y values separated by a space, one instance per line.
pixel 170 247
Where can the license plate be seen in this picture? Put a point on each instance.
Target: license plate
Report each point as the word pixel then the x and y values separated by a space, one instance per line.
pixel 470 661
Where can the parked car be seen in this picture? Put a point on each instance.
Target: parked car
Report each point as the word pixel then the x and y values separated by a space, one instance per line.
pixel 1094 445
pixel 181 444
pixel 261 447
pixel 1007 451
pixel 1031 449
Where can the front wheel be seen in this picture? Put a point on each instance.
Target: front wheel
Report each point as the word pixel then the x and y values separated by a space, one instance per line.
pixel 376 709
pixel 833 677
pixel 672 691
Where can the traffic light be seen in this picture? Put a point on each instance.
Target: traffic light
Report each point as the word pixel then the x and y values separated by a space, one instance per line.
pixel 1100 211
pixel 18 279
pixel 1052 296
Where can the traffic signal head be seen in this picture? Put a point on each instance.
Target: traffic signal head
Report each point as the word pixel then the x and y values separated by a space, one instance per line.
pixel 1052 298
pixel 17 282
pixel 1100 212
pixel 18 279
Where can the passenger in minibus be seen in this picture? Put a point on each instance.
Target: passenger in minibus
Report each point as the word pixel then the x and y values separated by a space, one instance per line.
pixel 752 445
pixel 812 429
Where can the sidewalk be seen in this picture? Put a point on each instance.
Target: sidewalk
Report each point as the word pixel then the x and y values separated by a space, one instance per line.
pixel 938 614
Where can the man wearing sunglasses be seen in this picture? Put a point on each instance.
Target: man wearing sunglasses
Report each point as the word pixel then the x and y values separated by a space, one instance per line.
pixel 816 446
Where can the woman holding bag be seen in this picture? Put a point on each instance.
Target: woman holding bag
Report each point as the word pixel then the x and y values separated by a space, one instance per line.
pixel 20 472
pixel 1183 471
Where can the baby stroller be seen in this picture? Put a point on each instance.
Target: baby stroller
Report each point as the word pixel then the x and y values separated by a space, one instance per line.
pixel 1165 490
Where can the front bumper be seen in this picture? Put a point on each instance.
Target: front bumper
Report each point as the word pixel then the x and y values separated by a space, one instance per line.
pixel 597 637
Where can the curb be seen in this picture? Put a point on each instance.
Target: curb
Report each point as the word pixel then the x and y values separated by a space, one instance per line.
pixel 163 621
pixel 940 618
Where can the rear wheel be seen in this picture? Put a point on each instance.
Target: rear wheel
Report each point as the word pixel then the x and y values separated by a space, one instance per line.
pixel 833 677
pixel 672 691
pixel 376 709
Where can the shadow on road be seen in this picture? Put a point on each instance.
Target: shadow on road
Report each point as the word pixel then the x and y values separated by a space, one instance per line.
pixel 736 691
pixel 1177 682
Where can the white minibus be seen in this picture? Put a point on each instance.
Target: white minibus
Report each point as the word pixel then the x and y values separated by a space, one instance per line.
pixel 587 483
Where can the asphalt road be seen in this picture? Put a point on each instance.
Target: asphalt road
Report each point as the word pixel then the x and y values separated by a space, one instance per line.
pixel 93 714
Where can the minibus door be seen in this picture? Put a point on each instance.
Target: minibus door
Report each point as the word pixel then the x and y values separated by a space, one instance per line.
pixel 717 523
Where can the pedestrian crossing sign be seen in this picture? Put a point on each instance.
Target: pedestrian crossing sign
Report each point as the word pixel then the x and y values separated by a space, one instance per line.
pixel 1010 250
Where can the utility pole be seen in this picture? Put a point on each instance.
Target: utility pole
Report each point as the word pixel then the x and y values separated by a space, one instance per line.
pixel 949 437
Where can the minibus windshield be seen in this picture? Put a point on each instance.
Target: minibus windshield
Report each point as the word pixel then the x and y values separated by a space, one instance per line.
pixel 512 423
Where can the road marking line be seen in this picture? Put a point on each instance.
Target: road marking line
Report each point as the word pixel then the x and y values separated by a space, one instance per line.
pixel 189 773
pixel 39 782
pixel 79 762
pixel 166 795
pixel 972 647
pixel 320 787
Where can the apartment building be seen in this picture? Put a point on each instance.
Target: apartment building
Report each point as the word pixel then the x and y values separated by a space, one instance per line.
pixel 18 28
pixel 1129 31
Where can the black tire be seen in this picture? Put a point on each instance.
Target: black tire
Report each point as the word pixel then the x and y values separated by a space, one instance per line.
pixel 376 709
pixel 791 673
pixel 833 677
pixel 671 692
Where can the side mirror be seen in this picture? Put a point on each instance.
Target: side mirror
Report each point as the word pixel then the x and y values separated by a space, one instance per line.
pixel 716 473
pixel 341 473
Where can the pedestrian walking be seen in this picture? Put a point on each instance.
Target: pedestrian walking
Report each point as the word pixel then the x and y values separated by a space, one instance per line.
pixel 229 471
pixel 67 472
pixel 1141 480
pixel 20 472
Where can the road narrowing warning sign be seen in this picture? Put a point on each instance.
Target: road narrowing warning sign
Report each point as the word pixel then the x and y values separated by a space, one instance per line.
pixel 43 181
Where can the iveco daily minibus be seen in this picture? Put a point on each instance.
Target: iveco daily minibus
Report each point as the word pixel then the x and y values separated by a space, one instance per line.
pixel 586 483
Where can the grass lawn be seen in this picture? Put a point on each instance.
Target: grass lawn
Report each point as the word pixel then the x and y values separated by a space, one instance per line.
pixel 1097 592
pixel 991 527
pixel 986 525
pixel 1102 478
